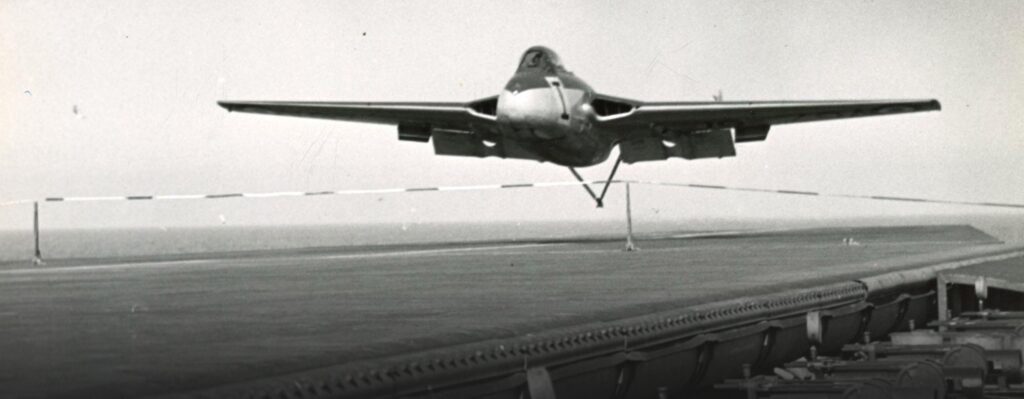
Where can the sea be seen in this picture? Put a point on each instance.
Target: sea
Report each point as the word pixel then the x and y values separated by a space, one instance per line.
pixel 18 245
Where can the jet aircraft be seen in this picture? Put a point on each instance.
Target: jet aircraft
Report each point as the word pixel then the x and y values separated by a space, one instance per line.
pixel 546 113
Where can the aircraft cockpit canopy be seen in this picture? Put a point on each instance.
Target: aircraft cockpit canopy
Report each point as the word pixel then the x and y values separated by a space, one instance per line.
pixel 540 58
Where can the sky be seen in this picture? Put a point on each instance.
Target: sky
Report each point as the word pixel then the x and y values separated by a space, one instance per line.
pixel 119 98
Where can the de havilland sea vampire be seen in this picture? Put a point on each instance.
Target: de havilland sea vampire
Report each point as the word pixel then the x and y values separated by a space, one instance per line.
pixel 548 114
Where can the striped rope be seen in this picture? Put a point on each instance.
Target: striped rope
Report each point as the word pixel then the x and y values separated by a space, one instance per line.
pixel 16 202
pixel 303 193
pixel 830 195
pixel 504 186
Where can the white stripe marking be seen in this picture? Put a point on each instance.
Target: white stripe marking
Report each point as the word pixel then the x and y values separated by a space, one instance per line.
pixel 121 266
pixel 69 199
pixel 464 188
pixel 269 195
pixel 434 251
pixel 174 263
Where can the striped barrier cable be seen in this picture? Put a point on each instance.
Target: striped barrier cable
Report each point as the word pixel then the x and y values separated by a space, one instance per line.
pixel 302 193
pixel 505 186
pixel 829 195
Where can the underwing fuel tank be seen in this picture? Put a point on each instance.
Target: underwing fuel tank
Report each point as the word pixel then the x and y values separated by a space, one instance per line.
pixel 420 133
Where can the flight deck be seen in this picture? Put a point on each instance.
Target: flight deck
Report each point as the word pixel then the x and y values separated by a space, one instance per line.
pixel 167 325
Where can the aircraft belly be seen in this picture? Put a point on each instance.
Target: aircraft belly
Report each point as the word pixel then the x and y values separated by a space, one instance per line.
pixel 584 149
pixel 535 119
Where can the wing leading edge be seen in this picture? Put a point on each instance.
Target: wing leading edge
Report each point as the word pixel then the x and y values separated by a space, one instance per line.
pixel 461 116
pixel 715 115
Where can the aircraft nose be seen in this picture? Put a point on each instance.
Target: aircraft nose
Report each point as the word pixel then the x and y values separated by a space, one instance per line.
pixel 537 107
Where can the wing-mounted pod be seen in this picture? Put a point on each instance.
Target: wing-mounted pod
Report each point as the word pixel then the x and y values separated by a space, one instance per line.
pixel 664 143
pixel 752 133
pixel 414 132
pixel 464 143
pixel 473 144
pixel 712 143
pixel 694 144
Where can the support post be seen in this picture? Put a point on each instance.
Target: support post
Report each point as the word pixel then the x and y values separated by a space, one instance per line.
pixel 942 296
pixel 37 258
pixel 629 223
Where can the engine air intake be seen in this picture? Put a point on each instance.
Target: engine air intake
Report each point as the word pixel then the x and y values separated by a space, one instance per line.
pixel 605 107
pixel 487 106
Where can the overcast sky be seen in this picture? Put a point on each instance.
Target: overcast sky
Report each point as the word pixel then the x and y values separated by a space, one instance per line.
pixel 118 97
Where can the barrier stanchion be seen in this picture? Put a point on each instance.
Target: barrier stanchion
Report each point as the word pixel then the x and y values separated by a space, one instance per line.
pixel 37 259
pixel 630 246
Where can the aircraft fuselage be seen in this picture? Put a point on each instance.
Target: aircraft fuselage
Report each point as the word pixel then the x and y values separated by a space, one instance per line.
pixel 547 110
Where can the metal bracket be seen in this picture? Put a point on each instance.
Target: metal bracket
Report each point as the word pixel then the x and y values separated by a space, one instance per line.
pixel 815 328
pixel 706 351
pixel 538 383
pixel 627 371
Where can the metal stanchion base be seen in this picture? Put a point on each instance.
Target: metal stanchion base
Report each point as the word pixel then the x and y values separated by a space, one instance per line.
pixel 630 247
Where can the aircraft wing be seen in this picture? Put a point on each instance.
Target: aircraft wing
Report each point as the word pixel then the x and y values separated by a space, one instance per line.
pixel 460 116
pixel 689 116
pixel 454 128
pixel 702 129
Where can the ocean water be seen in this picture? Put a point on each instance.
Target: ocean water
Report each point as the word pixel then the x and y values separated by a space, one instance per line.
pixel 17 245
